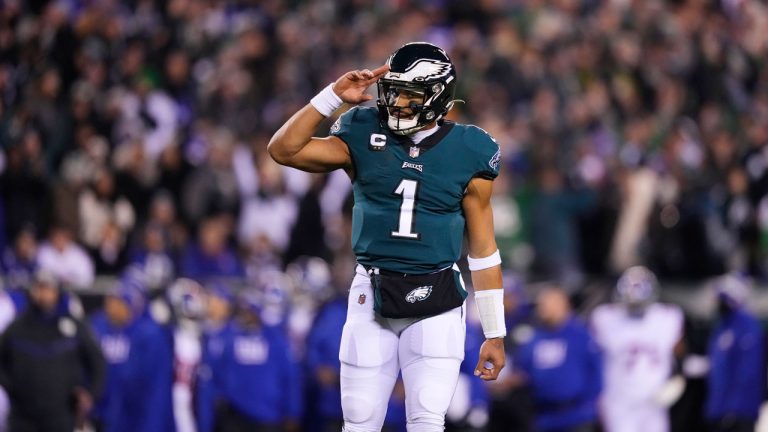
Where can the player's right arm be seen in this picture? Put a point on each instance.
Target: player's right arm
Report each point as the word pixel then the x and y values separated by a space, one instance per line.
pixel 293 144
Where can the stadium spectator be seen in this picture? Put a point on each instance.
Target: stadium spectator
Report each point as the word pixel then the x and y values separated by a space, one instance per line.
pixel 99 205
pixel 18 262
pixel 153 258
pixel 211 256
pixel 66 259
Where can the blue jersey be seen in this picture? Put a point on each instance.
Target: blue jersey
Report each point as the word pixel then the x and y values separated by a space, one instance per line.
pixel 323 345
pixel 564 371
pixel 139 376
pixel 737 368
pixel 407 215
pixel 210 384
pixel 257 374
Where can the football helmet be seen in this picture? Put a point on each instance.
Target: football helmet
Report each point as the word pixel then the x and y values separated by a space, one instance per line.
pixel 637 287
pixel 187 298
pixel 425 73
pixel 311 276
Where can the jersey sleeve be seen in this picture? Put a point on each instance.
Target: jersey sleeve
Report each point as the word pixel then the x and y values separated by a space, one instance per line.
pixel 342 127
pixel 487 152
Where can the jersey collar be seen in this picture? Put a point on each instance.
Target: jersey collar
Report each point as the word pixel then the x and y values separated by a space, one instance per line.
pixel 427 143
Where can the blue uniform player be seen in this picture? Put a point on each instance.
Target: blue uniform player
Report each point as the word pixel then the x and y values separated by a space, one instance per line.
pixel 420 184
pixel 139 355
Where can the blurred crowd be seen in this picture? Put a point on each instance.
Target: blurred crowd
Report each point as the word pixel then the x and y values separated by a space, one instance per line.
pixel 133 140
pixel 633 132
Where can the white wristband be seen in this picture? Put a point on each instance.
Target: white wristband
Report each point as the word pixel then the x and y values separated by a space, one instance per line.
pixel 490 306
pixel 327 101
pixel 476 264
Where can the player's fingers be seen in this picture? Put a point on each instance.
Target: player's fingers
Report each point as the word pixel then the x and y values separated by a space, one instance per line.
pixel 480 368
pixel 354 76
pixel 380 71
pixel 376 74
pixel 486 374
pixel 493 373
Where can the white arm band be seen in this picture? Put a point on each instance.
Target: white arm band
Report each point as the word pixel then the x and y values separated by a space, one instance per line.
pixel 490 305
pixel 491 260
pixel 327 101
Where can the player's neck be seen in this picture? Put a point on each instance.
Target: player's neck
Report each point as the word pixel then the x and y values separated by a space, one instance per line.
pixel 419 136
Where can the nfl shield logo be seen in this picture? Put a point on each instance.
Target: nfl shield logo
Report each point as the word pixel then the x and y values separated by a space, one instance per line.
pixel 414 152
pixel 361 299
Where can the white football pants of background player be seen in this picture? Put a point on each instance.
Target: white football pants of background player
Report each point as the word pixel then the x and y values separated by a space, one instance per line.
pixel 427 351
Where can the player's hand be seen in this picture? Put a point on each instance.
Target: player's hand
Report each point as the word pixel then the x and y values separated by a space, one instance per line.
pixel 492 359
pixel 351 86
pixel 83 405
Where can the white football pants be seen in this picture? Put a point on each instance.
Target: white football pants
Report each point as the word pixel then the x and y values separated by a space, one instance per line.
pixel 619 416
pixel 427 351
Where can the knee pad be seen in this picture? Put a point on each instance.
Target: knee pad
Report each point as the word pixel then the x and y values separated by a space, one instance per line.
pixel 358 409
pixel 426 422
pixel 356 428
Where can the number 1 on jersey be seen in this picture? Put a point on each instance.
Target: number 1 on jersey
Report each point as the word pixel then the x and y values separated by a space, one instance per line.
pixel 407 189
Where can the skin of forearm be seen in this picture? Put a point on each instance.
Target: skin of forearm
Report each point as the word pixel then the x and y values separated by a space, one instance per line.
pixel 294 134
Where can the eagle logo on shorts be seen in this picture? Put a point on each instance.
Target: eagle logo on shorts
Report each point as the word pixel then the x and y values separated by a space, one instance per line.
pixel 419 294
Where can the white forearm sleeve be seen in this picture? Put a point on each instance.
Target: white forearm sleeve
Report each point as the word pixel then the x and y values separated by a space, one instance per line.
pixel 327 101
pixel 490 305
pixel 491 260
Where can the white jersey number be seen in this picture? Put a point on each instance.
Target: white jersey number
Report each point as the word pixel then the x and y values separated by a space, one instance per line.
pixel 407 189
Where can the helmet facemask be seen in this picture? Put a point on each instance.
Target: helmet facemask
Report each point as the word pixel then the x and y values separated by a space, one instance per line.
pixel 406 118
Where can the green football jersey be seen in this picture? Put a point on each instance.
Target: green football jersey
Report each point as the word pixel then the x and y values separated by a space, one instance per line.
pixel 407 215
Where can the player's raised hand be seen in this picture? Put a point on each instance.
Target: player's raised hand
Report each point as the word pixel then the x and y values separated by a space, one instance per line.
pixel 351 86
pixel 492 359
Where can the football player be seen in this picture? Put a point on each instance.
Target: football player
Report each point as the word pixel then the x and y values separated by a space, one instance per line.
pixel 187 301
pixel 736 352
pixel 639 338
pixel 419 183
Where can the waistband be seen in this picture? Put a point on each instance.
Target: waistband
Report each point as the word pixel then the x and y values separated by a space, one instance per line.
pixel 363 271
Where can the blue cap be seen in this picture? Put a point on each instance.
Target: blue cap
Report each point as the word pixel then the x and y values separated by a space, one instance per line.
pixel 220 289
pixel 129 291
pixel 251 299
pixel 733 288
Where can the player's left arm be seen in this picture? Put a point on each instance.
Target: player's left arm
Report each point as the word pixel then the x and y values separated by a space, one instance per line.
pixel 485 266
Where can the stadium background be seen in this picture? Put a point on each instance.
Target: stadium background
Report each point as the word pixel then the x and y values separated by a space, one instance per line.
pixel 632 132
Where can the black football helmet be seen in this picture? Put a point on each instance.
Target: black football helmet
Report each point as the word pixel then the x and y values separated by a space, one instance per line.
pixel 422 69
